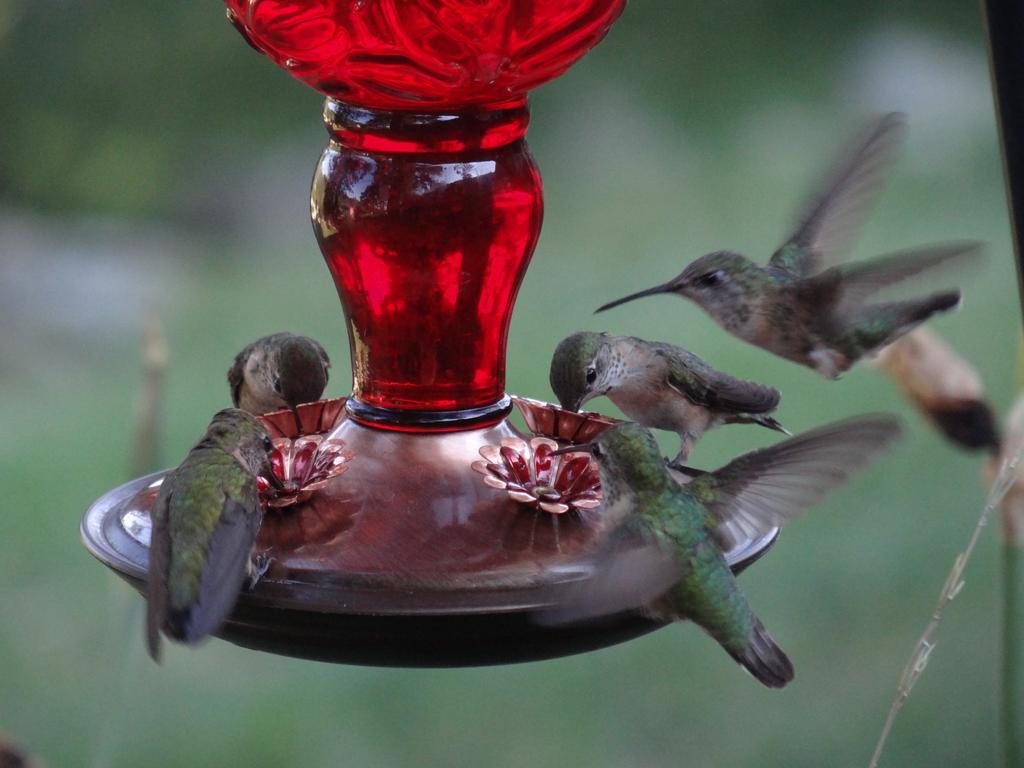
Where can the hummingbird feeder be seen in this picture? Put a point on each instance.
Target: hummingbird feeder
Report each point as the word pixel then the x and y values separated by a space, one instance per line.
pixel 449 529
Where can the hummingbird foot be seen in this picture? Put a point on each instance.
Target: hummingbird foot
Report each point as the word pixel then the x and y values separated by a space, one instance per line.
pixel 760 419
pixel 259 564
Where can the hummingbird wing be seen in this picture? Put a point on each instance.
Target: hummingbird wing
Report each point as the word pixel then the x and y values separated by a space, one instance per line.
pixel 833 217
pixel 224 570
pixel 159 565
pixel 633 568
pixel 764 489
pixel 701 384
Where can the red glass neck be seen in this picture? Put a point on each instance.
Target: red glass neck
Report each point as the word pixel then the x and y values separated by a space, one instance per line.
pixel 427 223
pixel 374 130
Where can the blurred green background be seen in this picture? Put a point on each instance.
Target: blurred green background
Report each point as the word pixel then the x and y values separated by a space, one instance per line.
pixel 148 157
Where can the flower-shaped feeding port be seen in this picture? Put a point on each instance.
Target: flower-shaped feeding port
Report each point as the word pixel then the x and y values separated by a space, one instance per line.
pixel 533 476
pixel 317 418
pixel 301 467
pixel 546 420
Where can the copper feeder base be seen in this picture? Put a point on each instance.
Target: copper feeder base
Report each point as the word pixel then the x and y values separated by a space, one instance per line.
pixel 407 559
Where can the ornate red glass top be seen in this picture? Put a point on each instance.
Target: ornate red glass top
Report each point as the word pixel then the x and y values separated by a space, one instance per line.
pixel 424 54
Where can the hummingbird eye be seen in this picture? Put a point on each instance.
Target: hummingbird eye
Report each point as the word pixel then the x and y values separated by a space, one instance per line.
pixel 268 444
pixel 595 451
pixel 591 375
pixel 710 279
pixel 277 384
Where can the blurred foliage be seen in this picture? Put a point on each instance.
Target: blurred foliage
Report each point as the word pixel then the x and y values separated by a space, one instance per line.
pixel 135 143
pixel 110 104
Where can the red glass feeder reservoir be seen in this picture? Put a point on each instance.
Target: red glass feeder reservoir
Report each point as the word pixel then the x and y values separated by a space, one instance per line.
pixel 427 223
pixel 448 531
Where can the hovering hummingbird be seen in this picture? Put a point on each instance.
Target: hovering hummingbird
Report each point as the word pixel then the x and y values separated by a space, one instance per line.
pixel 205 521
pixel 279 371
pixel 694 523
pixel 804 307
pixel 657 385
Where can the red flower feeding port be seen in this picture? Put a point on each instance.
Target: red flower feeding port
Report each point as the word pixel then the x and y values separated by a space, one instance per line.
pixel 300 468
pixel 427 207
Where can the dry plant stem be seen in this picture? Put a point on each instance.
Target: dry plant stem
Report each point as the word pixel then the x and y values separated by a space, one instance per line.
pixel 147 409
pixel 1011 665
pixel 954 583
pixel 1011 697
pixel 1012 677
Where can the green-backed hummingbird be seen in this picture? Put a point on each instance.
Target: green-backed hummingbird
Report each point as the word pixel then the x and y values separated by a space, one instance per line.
pixel 805 307
pixel 657 385
pixel 695 522
pixel 279 371
pixel 205 520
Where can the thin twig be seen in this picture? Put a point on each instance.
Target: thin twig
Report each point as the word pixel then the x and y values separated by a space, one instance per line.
pixel 1011 678
pixel 147 409
pixel 954 583
pixel 1011 666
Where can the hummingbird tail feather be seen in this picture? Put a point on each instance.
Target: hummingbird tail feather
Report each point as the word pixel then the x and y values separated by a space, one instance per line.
pixel 178 625
pixel 764 659
pixel 189 625
pixel 939 302
pixel 912 313
pixel 882 324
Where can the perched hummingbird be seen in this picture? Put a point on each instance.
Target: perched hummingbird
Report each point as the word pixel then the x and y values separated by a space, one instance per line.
pixel 657 385
pixel 205 521
pixel 804 307
pixel 696 522
pixel 279 371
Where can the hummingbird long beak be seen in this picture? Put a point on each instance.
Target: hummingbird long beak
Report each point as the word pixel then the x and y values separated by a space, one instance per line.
pixel 298 422
pixel 575 407
pixel 585 398
pixel 581 448
pixel 663 288
pixel 267 470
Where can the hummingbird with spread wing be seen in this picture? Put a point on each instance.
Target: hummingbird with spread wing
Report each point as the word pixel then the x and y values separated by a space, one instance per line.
pixel 690 526
pixel 657 385
pixel 805 306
